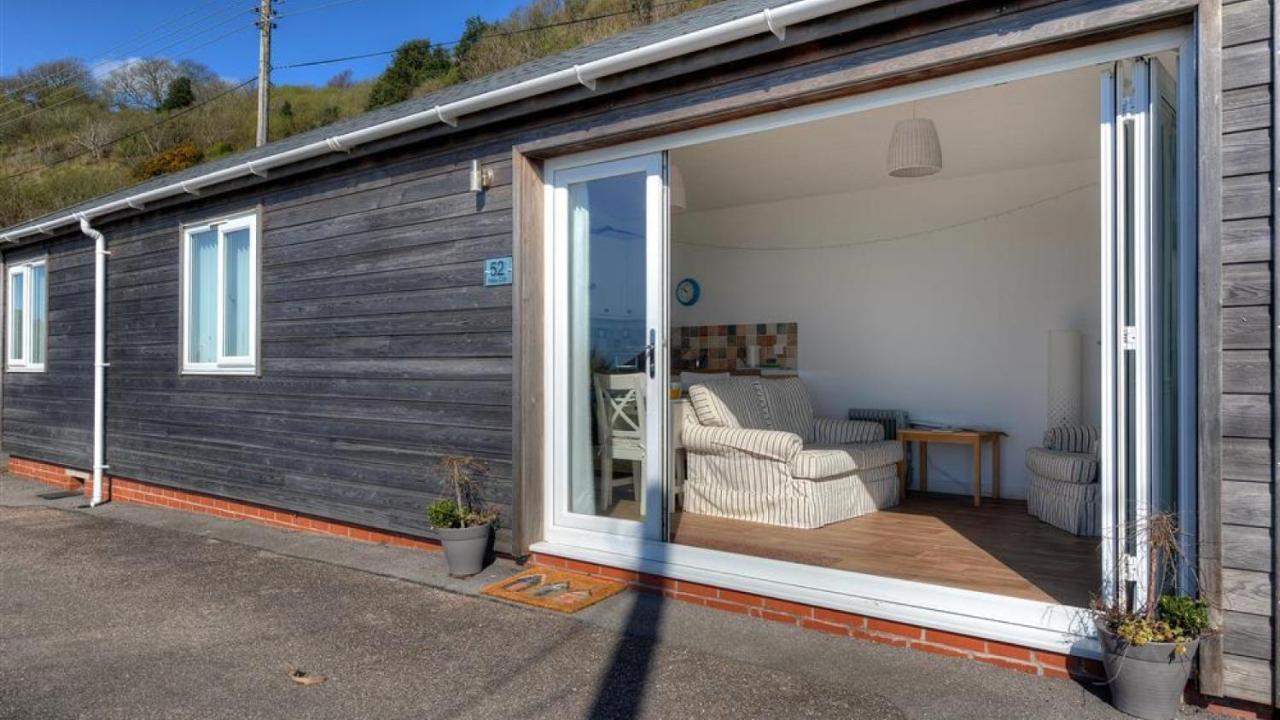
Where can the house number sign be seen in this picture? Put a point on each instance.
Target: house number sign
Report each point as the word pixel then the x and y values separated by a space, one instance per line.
pixel 497 271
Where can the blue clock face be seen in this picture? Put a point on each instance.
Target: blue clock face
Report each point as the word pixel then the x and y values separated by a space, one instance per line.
pixel 688 291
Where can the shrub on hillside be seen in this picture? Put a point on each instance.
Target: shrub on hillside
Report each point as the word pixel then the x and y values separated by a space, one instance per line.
pixel 179 157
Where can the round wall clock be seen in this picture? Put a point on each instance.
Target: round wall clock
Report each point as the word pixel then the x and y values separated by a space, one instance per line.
pixel 688 291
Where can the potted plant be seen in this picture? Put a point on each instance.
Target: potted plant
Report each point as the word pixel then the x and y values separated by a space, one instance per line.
pixel 1149 646
pixel 463 524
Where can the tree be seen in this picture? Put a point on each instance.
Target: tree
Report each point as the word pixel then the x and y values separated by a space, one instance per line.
pixel 141 83
pixel 472 34
pixel 179 95
pixel 414 63
pixel 94 136
pixel 344 79
pixel 49 83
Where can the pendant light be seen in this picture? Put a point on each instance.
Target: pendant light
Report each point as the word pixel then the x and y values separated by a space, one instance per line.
pixel 914 149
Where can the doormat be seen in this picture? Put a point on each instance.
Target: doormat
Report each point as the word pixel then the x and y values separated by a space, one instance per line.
pixel 558 590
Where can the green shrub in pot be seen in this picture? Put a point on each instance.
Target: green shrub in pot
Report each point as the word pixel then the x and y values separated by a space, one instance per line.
pixel 463 523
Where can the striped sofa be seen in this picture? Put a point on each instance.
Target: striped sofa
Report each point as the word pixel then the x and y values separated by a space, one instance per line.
pixel 1064 488
pixel 756 452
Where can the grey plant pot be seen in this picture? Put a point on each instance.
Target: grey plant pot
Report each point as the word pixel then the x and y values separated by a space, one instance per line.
pixel 465 549
pixel 1146 680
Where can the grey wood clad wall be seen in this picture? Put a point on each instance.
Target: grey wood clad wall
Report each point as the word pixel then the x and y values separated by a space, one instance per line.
pixel 381 348
pixel 48 415
pixel 1246 497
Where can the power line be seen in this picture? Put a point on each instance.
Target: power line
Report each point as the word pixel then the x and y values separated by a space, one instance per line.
pixel 139 131
pixel 105 58
pixel 80 94
pixel 450 43
pixel 332 60
pixel 77 91
pixel 322 6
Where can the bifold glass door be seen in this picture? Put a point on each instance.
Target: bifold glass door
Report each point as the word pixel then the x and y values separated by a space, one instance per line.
pixel 1144 312
pixel 609 223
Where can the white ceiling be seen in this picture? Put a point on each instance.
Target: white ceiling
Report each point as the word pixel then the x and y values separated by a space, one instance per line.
pixel 1038 121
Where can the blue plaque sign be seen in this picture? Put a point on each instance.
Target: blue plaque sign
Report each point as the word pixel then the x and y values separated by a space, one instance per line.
pixel 497 271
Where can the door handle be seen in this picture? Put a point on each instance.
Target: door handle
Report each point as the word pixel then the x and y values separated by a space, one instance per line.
pixel 651 351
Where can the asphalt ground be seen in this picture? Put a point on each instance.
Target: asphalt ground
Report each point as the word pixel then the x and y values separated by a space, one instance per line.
pixel 135 612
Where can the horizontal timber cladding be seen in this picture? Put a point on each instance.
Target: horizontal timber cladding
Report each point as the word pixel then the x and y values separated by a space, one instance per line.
pixel 1246 502
pixel 49 415
pixel 381 348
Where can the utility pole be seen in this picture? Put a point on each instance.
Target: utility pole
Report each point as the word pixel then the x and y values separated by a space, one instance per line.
pixel 265 17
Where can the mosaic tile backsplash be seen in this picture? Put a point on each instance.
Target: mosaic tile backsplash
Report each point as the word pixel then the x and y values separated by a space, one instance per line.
pixel 724 347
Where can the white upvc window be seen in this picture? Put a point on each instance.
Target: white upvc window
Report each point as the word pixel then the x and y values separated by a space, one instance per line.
pixel 27 318
pixel 220 297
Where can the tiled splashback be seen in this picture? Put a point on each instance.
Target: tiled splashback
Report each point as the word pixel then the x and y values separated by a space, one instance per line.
pixel 726 345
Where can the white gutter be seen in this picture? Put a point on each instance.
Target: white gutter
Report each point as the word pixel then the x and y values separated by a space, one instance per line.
pixel 774 21
pixel 99 353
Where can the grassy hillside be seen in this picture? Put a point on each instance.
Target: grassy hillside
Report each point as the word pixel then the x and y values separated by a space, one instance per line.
pixel 66 136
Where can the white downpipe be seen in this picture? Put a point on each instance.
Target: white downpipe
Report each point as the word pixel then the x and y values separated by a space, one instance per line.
pixel 99 352
pixel 774 20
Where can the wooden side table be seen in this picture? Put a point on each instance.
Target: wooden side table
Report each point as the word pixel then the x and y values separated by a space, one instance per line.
pixel 972 438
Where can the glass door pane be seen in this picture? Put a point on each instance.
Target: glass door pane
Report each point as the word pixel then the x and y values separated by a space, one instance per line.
pixel 612 243
pixel 1143 318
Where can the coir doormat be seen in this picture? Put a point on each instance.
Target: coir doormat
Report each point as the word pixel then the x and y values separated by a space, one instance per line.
pixel 558 590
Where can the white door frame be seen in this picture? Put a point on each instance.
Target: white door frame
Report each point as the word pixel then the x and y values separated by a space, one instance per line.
pixel 1042 625
pixel 560 286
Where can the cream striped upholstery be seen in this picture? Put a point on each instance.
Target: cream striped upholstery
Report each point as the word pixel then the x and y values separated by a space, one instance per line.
pixel 1073 507
pixel 1063 466
pixel 833 430
pixel 734 403
pixel 1064 489
pixel 747 457
pixel 1072 439
pixel 816 462
pixel 789 409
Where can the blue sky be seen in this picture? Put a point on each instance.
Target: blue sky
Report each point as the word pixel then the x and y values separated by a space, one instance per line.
pixel 220 33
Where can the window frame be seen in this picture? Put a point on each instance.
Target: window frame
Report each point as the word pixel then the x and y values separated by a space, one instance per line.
pixel 222 364
pixel 23 363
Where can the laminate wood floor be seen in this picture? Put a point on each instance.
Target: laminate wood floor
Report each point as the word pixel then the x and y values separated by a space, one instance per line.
pixel 932 538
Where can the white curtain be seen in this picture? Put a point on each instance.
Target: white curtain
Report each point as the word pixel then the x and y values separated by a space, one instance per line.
pixel 202 315
pixel 235 317
pixel 38 314
pixel 17 314
pixel 582 482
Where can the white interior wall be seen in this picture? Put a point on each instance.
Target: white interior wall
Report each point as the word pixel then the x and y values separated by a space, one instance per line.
pixel 948 321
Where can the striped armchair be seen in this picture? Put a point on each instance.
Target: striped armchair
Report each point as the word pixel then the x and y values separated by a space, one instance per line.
pixel 756 452
pixel 1064 488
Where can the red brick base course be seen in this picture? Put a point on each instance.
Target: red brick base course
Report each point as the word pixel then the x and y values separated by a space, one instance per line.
pixel 843 624
pixel 119 489
pixel 833 622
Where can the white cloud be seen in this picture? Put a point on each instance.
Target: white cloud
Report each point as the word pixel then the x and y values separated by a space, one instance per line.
pixel 104 68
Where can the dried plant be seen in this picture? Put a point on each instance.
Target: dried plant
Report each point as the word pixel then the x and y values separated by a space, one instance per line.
pixel 462 476
pixel 1159 616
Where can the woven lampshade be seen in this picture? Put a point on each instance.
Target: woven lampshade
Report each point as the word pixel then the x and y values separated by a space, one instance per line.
pixel 914 150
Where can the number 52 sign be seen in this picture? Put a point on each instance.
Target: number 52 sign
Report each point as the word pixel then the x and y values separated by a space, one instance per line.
pixel 497 271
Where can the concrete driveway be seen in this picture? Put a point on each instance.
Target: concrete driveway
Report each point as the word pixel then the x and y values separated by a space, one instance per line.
pixel 128 612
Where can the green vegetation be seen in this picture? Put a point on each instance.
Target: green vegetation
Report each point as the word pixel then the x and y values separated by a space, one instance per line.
pixel 414 63
pixel 463 477
pixel 67 136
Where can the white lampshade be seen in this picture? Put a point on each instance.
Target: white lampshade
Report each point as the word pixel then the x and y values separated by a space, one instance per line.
pixel 675 190
pixel 914 150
